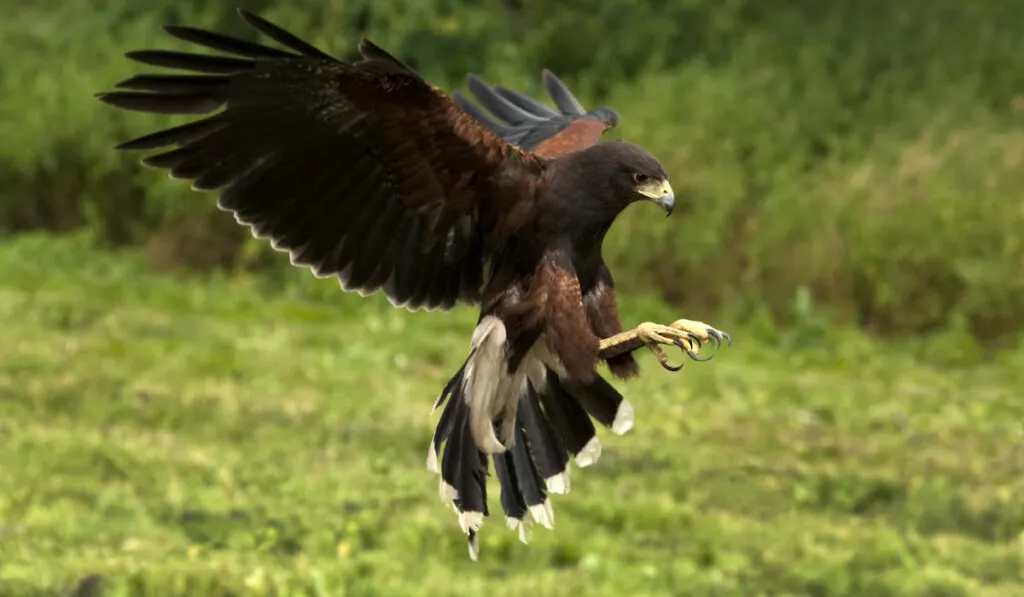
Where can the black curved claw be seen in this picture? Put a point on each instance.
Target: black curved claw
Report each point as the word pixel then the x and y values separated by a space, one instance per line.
pixel 715 337
pixel 695 339
pixel 689 352
pixel 728 340
pixel 670 367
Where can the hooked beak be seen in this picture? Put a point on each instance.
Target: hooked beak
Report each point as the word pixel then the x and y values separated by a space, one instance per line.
pixel 660 192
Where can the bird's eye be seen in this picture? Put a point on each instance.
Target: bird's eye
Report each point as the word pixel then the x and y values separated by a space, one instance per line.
pixel 641 178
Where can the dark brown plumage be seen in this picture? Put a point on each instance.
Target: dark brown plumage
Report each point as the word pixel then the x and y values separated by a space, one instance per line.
pixel 364 171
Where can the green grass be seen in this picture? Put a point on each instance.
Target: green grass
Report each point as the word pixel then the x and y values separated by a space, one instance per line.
pixel 227 436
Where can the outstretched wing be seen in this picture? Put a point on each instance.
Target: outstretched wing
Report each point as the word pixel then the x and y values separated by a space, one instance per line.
pixel 534 126
pixel 360 170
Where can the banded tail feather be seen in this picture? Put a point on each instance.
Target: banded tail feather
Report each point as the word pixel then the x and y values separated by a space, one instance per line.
pixel 540 421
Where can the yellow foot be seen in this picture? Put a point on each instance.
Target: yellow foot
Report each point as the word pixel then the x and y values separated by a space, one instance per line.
pixel 684 333
pixel 701 332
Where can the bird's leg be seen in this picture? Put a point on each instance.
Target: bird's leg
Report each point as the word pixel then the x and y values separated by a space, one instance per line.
pixel 684 333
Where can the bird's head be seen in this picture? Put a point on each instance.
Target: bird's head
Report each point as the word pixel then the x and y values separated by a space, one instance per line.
pixel 633 174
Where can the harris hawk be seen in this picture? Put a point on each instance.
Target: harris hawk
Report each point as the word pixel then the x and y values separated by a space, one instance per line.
pixel 363 171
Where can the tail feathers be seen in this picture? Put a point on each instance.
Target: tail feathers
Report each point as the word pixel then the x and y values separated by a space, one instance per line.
pixel 523 492
pixel 603 402
pixel 547 446
pixel 553 424
pixel 463 466
pixel 571 422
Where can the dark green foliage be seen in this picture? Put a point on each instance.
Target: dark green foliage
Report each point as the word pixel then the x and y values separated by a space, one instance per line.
pixel 856 159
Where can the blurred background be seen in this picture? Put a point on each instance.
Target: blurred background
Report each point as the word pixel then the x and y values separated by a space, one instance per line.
pixel 183 413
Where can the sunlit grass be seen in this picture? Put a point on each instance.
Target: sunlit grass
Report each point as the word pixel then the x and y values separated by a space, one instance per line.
pixel 187 437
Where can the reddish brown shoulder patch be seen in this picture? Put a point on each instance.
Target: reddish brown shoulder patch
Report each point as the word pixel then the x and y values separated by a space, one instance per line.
pixel 578 135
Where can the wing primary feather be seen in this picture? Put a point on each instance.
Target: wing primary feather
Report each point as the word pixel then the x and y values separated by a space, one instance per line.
pixel 498 105
pixel 200 63
pixel 170 159
pixel 167 103
pixel 528 123
pixel 560 94
pixel 282 37
pixel 372 52
pixel 191 160
pixel 171 84
pixel 186 133
pixel 225 43
pixel 473 110
pixel 526 102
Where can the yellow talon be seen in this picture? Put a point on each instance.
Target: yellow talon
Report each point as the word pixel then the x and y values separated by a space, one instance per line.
pixel 688 335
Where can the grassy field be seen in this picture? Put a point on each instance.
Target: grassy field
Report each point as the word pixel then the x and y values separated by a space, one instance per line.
pixel 228 437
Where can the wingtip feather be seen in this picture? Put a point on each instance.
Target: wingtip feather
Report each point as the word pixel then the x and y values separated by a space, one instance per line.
pixel 562 95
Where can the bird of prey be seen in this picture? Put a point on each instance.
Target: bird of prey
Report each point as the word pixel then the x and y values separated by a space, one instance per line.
pixel 363 171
